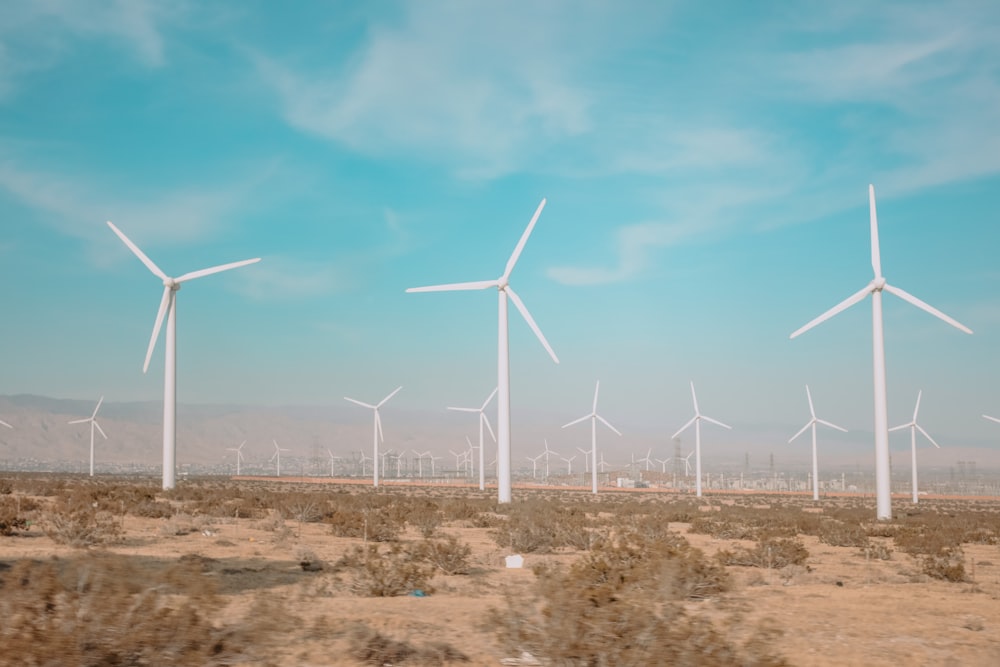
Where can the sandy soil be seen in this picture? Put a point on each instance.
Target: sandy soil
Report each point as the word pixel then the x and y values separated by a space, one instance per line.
pixel 841 608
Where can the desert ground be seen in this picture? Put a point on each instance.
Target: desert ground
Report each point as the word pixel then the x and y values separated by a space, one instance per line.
pixel 312 572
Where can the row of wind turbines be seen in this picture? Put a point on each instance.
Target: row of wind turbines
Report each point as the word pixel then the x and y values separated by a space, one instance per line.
pixel 506 293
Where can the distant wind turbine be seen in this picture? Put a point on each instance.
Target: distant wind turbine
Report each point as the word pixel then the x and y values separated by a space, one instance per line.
pixel 883 481
pixel 696 420
pixel 333 460
pixel 483 420
pixel 276 457
pixel 502 284
pixel 376 428
pixel 168 307
pixel 239 455
pixel 92 419
pixel 914 427
pixel 594 418
pixel 569 463
pixel 812 423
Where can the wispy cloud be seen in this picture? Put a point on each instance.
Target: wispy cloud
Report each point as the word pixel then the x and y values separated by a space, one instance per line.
pixel 37 35
pixel 283 277
pixel 79 208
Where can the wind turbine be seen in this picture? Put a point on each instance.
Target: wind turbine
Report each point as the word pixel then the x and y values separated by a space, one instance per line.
pixel 483 420
pixel 547 453
pixel 696 420
pixel 586 459
pixel 812 423
pixel 914 427
pixel 569 463
pixel 239 455
pixel 534 464
pixel 93 424
pixel 276 457
pixel 594 417
pixel 502 284
pixel 687 463
pixel 333 460
pixel 875 287
pixel 376 428
pixel 663 464
pixel 168 307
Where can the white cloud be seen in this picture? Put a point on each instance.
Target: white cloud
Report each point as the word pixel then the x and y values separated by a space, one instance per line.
pixel 282 277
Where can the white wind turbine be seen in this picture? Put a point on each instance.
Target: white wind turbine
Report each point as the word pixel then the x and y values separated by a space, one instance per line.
pixel 875 288
pixel 239 455
pixel 333 460
pixel 168 308
pixel 276 457
pixel 594 418
pixel 547 453
pixel 569 463
pixel 483 420
pixel 914 427
pixel 502 284
pixel 687 463
pixel 92 419
pixel 376 428
pixel 696 420
pixel 812 423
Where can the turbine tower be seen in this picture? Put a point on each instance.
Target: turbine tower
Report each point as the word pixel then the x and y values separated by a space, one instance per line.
pixel 168 307
pixel 875 288
pixel 239 455
pixel 276 457
pixel 812 423
pixel 914 427
pixel 376 428
pixel 483 420
pixel 93 424
pixel 502 284
pixel 696 420
pixel 594 418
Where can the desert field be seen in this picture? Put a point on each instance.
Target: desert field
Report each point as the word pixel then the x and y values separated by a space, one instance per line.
pixel 114 571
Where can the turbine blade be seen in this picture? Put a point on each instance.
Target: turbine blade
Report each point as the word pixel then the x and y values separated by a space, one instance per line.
pixel 378 424
pixel 455 287
pixel 98 426
pixel 520 244
pixel 927 435
pixel 531 323
pixel 488 427
pixel 684 428
pixel 577 421
pixel 906 296
pixel 831 425
pixel 597 388
pixel 812 411
pixel 487 401
pixel 716 422
pixel 364 405
pixel 801 431
pixel 75 421
pixel 164 305
pixel 386 399
pixel 608 424
pixel 216 269
pixel 97 408
pixel 694 398
pixel 902 426
pixel 843 305
pixel 138 253
pixel 917 408
pixel 3 423
pixel 876 255
pixel 464 409
pixel 992 419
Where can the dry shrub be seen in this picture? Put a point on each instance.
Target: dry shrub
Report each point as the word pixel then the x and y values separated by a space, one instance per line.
pixel 947 565
pixel 106 610
pixel 376 524
pixel 537 526
pixel 448 555
pixel 425 519
pixel 772 552
pixel 12 518
pixel 80 526
pixel 389 573
pixel 370 647
pixel 838 534
pixel 623 603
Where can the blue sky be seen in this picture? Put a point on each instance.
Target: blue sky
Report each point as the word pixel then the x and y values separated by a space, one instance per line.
pixel 706 174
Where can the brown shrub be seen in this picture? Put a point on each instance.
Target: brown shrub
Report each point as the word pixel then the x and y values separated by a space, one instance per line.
pixel 389 573
pixel 772 552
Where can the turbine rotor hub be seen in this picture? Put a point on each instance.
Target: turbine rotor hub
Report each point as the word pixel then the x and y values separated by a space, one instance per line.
pixel 878 284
